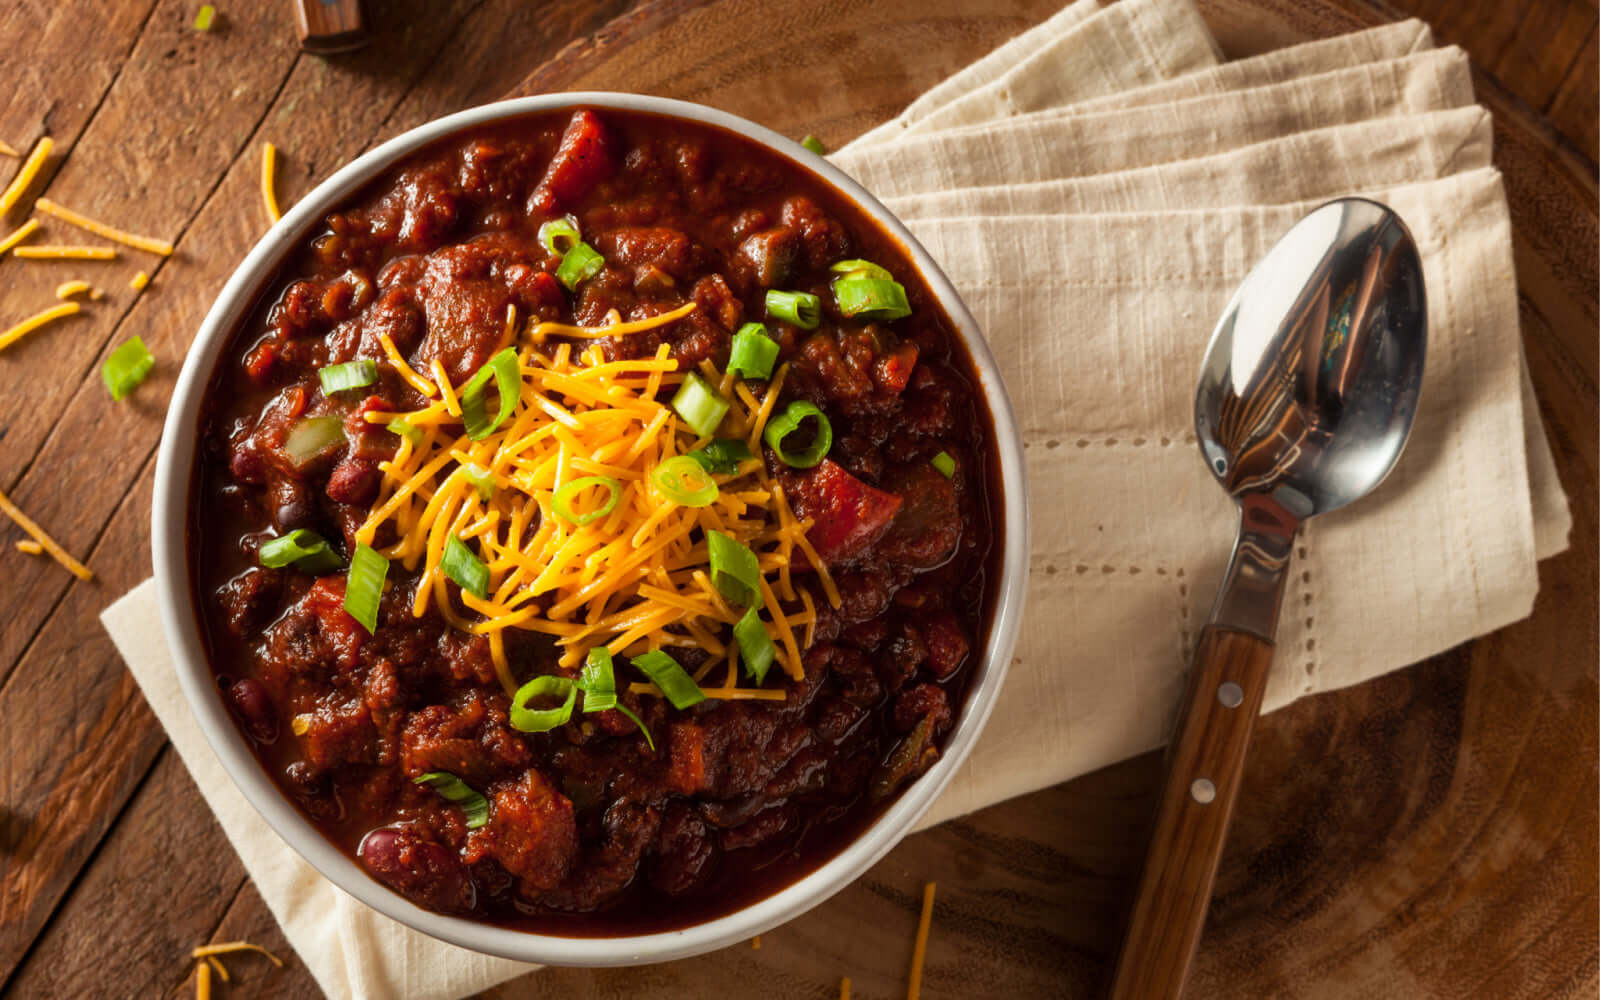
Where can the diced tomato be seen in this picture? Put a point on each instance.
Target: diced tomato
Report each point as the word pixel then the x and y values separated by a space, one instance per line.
pixel 847 515
pixel 582 160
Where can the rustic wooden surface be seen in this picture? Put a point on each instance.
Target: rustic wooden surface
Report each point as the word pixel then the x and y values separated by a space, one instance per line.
pixel 1428 834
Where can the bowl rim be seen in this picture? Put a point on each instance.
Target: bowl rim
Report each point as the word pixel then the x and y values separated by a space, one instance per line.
pixel 169 541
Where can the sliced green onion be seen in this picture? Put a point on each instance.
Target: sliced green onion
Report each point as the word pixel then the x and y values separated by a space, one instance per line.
pixel 683 480
pixel 461 565
pixel 860 269
pixel 649 741
pixel 599 686
pixel 734 570
pixel 787 422
pixel 363 587
pixel 871 298
pixel 126 367
pixel 311 437
pixel 204 19
pixel 542 720
pixel 300 547
pixel 579 264
pixel 455 790
pixel 754 353
pixel 507 374
pixel 699 405
pixel 598 683
pixel 348 375
pixel 755 646
pixel 800 308
pixel 406 429
pixel 945 464
pixel 814 144
pixel 560 235
pixel 566 494
pixel 678 686
pixel 481 479
pixel 722 455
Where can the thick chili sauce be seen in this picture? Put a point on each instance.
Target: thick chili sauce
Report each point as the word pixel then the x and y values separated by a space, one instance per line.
pixel 590 832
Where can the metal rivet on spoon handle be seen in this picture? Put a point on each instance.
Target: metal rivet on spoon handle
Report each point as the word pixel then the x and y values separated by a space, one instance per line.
pixel 1305 401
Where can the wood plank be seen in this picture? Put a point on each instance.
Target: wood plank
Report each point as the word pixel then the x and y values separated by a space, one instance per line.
pixel 1575 109
pixel 165 107
pixel 188 863
pixel 1528 48
pixel 248 919
pixel 60 93
pixel 372 84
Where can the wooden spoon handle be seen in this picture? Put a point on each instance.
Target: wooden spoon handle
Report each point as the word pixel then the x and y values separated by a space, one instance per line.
pixel 1205 764
pixel 328 26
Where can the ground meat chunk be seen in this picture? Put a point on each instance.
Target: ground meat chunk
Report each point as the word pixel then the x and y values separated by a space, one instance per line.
pixel 923 700
pixel 469 738
pixel 684 854
pixel 927 525
pixel 316 637
pixel 768 256
pixel 947 645
pixel 531 833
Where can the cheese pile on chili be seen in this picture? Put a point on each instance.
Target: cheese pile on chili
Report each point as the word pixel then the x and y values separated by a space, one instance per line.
pixel 633 570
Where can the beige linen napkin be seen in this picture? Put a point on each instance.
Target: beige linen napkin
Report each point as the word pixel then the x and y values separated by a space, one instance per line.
pixel 1098 319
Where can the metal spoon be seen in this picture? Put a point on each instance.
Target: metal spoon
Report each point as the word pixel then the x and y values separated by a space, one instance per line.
pixel 1305 400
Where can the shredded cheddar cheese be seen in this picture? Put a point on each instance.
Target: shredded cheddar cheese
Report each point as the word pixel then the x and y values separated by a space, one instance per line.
pixel 115 235
pixel 21 233
pixel 229 947
pixel 202 982
pixel 67 289
pixel 24 179
pixel 844 988
pixel 6 149
pixel 139 282
pixel 632 579
pixel 37 320
pixel 49 545
pixel 920 950
pixel 269 180
pixel 29 546
pixel 66 253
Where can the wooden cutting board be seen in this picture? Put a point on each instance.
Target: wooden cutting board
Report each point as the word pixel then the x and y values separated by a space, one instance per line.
pixel 1429 834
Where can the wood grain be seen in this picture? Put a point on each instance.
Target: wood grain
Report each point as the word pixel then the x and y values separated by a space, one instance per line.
pixel 1429 834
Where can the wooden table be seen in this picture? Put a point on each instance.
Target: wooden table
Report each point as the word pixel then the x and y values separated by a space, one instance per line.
pixel 1428 834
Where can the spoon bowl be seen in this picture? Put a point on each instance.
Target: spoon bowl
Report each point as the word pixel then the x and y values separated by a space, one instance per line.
pixel 1306 397
pixel 1310 384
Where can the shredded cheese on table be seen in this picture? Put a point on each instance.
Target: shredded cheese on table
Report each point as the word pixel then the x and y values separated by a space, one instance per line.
pixel 49 544
pixel 29 546
pixel 66 253
pixel 37 320
pixel 139 281
pixel 269 175
pixel 634 579
pixel 7 149
pixel 115 235
pixel 844 988
pixel 229 947
pixel 21 233
pixel 67 289
pixel 24 179
pixel 920 950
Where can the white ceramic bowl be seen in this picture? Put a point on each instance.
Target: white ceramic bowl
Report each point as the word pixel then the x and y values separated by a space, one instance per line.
pixel 170 539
